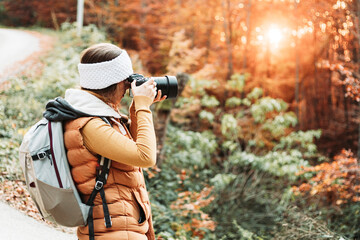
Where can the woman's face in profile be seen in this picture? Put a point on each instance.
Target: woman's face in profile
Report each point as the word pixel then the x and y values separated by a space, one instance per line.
pixel 121 90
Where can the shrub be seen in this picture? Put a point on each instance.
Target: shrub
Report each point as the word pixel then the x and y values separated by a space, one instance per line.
pixel 335 184
pixel 249 158
pixel 298 225
pixel 336 181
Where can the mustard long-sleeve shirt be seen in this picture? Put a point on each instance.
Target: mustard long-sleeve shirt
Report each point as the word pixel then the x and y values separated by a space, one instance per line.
pixel 140 151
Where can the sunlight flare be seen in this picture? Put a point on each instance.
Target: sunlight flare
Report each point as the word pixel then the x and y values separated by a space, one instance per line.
pixel 274 36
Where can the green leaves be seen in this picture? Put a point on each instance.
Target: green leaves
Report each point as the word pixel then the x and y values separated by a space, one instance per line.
pixel 233 102
pixel 280 123
pixel 189 149
pixel 256 93
pixel 229 126
pixel 90 35
pixel 281 164
pixel 208 116
pixel 222 180
pixel 209 101
pixel 266 105
pixel 237 82
pixel 303 141
pixel 9 164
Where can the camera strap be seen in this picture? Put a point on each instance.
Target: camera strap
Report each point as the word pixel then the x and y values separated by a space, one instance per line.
pixel 121 127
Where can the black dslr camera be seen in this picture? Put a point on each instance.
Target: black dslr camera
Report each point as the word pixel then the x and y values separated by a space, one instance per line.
pixel 168 84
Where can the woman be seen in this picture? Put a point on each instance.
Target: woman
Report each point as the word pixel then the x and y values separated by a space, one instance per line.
pixel 103 70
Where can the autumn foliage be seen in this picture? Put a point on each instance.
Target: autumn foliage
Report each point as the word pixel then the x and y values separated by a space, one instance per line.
pixel 217 38
pixel 336 182
pixel 189 205
pixel 348 78
pixel 42 12
pixel 262 73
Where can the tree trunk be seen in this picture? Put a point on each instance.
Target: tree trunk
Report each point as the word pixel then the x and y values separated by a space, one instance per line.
pixel 268 60
pixel 315 94
pixel 227 38
pixel 358 60
pixel 209 30
pixel 330 57
pixel 248 22
pixel 162 118
pixel 143 13
pixel 297 70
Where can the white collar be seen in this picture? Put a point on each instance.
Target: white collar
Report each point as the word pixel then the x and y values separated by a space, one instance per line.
pixel 88 103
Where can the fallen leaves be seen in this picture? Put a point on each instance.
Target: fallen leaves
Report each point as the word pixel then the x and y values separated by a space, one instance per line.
pixel 17 196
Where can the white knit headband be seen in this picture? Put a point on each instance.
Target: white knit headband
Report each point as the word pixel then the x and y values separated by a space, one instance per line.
pixel 103 74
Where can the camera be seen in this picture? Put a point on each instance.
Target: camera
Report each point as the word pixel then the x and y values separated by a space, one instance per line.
pixel 168 84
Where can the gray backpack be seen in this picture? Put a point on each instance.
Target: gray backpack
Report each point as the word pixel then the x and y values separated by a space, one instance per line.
pixel 48 178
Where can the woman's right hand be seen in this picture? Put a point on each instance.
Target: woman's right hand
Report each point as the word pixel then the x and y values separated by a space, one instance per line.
pixel 147 89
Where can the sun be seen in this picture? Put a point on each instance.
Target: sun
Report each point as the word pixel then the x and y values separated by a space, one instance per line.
pixel 274 35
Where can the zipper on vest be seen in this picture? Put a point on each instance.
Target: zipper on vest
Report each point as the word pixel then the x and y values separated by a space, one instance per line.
pixel 52 155
pixel 142 217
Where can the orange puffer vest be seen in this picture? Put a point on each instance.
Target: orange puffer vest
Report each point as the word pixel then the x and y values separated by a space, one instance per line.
pixel 125 191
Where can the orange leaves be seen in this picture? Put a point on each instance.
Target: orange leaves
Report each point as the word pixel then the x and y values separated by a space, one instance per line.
pixel 193 201
pixel 183 174
pixel 338 182
pixel 152 171
pixel 16 194
pixel 356 199
pixel 350 79
pixel 196 225
pixel 305 187
pixel 189 204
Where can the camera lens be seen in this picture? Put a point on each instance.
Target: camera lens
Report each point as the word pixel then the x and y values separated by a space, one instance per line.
pixel 168 86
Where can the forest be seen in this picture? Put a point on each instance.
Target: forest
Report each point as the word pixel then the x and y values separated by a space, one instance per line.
pixel 263 140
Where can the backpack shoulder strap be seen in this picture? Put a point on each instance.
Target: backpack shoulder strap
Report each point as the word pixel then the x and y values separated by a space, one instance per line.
pixel 101 178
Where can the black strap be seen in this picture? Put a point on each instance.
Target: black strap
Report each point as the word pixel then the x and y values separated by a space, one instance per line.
pixel 91 199
pixel 91 224
pixel 41 155
pixel 107 216
pixel 99 187
pixel 102 173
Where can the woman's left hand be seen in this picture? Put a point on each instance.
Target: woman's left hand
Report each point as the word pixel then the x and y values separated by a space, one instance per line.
pixel 159 98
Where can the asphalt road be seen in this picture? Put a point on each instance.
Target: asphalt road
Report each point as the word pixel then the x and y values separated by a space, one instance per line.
pixel 15 225
pixel 16 46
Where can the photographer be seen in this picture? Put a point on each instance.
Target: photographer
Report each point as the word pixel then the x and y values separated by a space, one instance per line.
pixel 104 78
